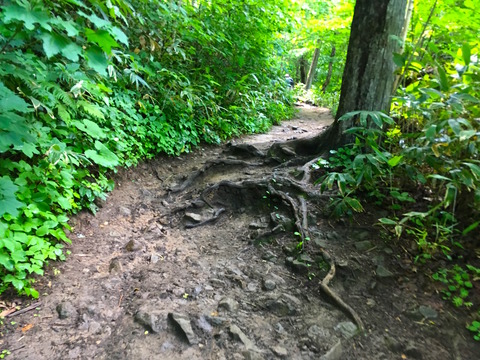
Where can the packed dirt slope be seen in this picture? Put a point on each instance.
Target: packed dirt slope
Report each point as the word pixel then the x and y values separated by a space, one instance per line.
pixel 196 257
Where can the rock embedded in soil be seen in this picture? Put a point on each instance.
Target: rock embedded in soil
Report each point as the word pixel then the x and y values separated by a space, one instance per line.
pixel 383 272
pixel 347 329
pixel 284 305
pixel 363 245
pixel 183 323
pixel 66 310
pixel 149 319
pixel 115 266
pixel 228 304
pixel 193 217
pixel 238 335
pixel 133 245
pixel 335 352
pixel 269 285
pixel 279 351
pixel 428 312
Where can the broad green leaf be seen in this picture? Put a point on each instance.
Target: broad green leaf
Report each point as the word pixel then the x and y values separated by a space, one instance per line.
pixel 394 161
pixel 103 156
pixel 455 126
pixel 6 261
pixel 443 80
pixel 29 17
pixel 92 109
pixel 8 201
pixel 119 35
pixel 97 60
pixel 11 101
pixel 466 134
pixel 90 128
pixel 475 169
pixel 94 19
pixel 69 26
pixel 53 44
pixel 431 132
pixel 399 59
pixel 387 221
pixel 72 51
pixel 466 53
pixel 439 177
pixel 102 38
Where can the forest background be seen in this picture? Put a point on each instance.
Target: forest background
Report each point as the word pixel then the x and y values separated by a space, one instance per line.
pixel 90 86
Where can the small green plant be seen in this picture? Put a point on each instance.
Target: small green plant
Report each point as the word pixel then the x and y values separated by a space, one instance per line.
pixel 458 282
pixel 4 354
pixel 474 327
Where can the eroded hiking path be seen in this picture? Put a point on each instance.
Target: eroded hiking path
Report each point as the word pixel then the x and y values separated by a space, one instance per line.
pixel 194 258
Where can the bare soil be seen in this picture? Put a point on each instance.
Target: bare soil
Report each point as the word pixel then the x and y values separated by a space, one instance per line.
pixel 195 257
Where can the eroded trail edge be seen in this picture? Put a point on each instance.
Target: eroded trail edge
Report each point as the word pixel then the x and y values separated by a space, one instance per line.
pixel 226 253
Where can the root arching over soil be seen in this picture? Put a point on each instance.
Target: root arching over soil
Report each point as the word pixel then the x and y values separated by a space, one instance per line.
pixel 227 253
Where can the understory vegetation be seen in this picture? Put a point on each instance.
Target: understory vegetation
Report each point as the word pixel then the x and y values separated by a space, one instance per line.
pixel 420 164
pixel 88 86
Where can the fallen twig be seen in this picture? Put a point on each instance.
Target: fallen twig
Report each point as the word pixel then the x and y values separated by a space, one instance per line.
pixel 24 310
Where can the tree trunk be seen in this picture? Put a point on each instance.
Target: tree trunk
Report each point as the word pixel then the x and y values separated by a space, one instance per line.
pixel 302 64
pixel 313 68
pixel 368 76
pixel 329 73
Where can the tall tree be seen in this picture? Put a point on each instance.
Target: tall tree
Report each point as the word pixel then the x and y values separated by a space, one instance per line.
pixel 369 70
pixel 368 76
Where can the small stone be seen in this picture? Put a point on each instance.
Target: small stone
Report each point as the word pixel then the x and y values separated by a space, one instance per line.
pixel 179 291
pixel 300 267
pixel 383 272
pixel 335 352
pixel 320 242
pixel 347 329
pixel 363 245
pixel 284 305
pixel 115 266
pixel 279 351
pixel 150 320
pixel 257 225
pixel 154 258
pixel 94 327
pixel 183 323
pixel 215 320
pixel 252 355
pixel 269 285
pixel 428 312
pixel 412 351
pixel 124 211
pixel 204 324
pixel 66 310
pixel 238 335
pixel 269 256
pixel 218 283
pixel 228 304
pixel 133 245
pixel 193 217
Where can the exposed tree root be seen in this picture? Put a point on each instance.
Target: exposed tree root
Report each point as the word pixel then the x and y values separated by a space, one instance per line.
pixel 215 216
pixel 196 174
pixel 280 185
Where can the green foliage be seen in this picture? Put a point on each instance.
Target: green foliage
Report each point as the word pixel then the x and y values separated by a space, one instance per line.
pixel 458 282
pixel 86 87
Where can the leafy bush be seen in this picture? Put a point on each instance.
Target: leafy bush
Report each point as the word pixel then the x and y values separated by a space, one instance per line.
pixel 87 86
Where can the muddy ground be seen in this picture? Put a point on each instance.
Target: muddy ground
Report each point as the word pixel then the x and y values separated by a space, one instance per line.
pixel 169 270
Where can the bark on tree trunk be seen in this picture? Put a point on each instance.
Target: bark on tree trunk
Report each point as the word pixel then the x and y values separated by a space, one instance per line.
pixel 313 67
pixel 329 73
pixel 368 76
pixel 302 63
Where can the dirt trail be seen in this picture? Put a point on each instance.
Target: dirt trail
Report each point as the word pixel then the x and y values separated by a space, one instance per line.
pixel 167 270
